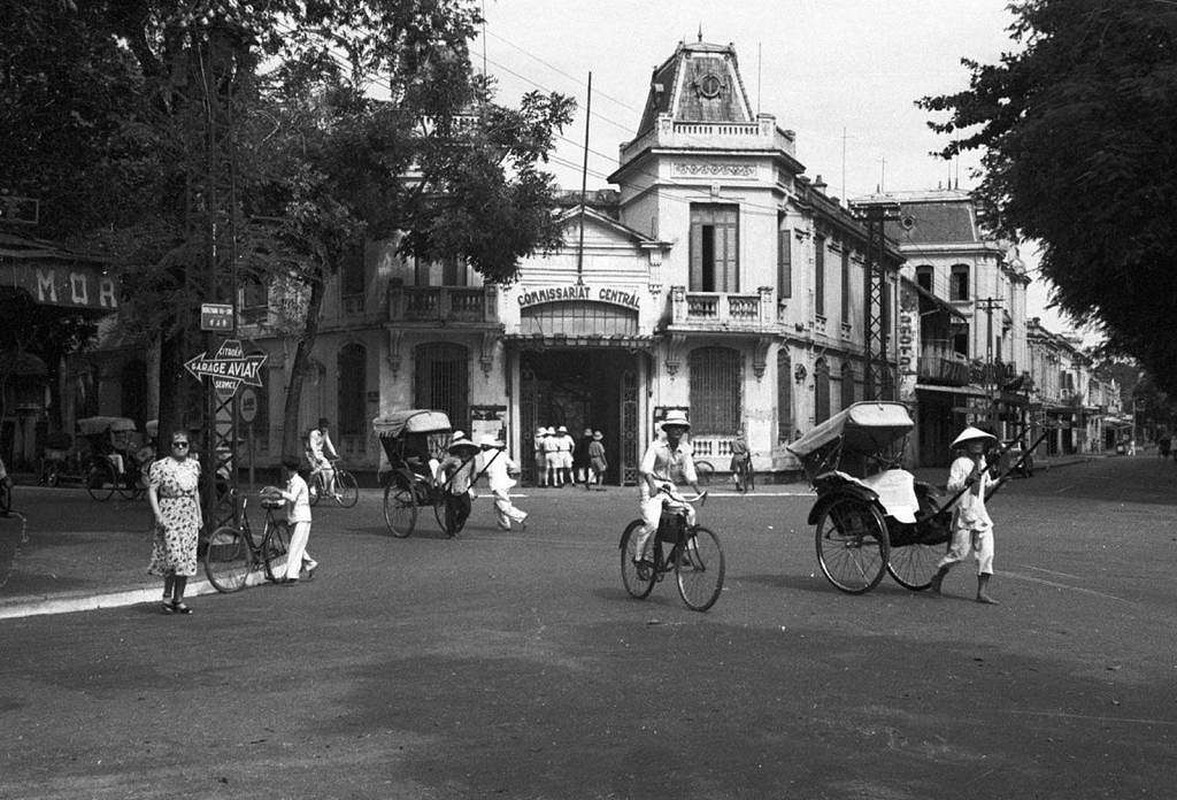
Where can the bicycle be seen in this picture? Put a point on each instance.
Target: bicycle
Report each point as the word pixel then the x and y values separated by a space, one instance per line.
pixel 103 478
pixel 744 476
pixel 232 553
pixel 347 490
pixel 695 555
pixel 704 471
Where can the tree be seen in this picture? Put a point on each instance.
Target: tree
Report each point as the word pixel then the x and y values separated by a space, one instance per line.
pixel 1079 137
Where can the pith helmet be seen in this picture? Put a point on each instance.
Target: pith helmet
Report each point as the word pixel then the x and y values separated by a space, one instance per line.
pixel 676 417
pixel 971 434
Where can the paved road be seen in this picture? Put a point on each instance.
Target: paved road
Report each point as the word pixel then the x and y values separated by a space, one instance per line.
pixel 513 665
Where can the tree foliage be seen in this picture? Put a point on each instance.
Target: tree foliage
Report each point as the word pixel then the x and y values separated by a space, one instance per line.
pixel 1078 130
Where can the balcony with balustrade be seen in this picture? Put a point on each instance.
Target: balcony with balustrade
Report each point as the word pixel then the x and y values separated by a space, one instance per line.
pixel 723 312
pixel 761 134
pixel 423 306
pixel 940 364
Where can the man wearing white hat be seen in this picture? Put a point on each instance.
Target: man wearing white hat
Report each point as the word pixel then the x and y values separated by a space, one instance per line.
pixel 498 468
pixel 457 471
pixel 972 529
pixel 541 460
pixel 565 444
pixel 552 457
pixel 666 462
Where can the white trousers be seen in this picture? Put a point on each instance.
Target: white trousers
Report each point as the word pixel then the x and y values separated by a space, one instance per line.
pixel 298 550
pixel 964 540
pixel 505 509
pixel 651 514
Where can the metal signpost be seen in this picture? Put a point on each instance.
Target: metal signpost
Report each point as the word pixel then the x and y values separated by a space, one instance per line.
pixel 228 369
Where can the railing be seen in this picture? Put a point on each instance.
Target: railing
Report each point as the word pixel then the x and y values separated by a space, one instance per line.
pixel 763 133
pixel 739 311
pixel 442 304
pixel 939 363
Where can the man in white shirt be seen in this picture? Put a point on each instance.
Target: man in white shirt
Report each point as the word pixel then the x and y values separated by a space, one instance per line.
pixel 321 452
pixel 667 462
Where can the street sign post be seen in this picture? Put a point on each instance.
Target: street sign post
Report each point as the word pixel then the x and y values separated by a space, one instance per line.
pixel 216 317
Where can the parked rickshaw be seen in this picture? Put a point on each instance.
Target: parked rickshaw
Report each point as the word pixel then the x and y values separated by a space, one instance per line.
pixel 871 516
pixel 100 457
pixel 415 442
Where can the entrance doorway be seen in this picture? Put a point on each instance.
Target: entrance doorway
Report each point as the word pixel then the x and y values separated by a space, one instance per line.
pixel 581 388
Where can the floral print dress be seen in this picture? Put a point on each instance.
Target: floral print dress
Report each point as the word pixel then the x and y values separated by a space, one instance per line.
pixel 173 549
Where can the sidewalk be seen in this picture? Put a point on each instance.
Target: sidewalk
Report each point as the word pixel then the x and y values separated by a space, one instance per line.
pixel 76 555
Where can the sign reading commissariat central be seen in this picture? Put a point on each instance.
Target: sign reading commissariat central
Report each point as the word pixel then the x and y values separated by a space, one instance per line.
pixel 600 294
pixel 229 368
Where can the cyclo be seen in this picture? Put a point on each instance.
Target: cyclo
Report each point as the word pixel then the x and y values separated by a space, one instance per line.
pixel 101 458
pixel 871 516
pixel 415 441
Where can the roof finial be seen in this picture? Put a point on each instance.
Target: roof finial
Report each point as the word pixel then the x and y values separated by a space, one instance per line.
pixel 700 32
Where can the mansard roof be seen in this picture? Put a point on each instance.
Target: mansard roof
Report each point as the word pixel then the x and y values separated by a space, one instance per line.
pixel 700 82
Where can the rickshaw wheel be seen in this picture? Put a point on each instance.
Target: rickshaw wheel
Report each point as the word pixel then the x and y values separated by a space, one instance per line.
pixel 437 500
pixel 913 565
pixel 100 480
pixel 852 545
pixel 400 509
pixel 629 572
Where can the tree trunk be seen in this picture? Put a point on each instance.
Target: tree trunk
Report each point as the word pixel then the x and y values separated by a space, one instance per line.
pixel 291 427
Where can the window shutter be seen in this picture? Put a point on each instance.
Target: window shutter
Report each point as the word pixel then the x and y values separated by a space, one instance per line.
pixel 819 276
pixel 784 263
pixel 696 276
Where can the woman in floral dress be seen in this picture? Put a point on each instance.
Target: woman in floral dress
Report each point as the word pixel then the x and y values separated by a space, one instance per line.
pixel 175 502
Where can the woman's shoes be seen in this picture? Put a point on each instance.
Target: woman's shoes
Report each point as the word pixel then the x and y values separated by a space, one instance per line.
pixel 173 607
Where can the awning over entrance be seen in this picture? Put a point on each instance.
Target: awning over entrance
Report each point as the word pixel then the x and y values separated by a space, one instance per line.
pixel 540 340
pixel 969 390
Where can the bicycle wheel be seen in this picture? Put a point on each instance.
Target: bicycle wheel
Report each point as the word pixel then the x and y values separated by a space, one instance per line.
pixel 100 480
pixel 705 472
pixel 227 559
pixel 700 569
pixel 852 545
pixel 347 491
pixel 314 488
pixel 634 584
pixel 275 545
pixel 749 479
pixel 400 510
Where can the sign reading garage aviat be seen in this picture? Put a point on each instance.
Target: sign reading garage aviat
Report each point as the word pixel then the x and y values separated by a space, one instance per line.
pixel 599 294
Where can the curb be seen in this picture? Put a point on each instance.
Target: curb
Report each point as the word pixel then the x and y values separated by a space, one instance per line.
pixel 38 605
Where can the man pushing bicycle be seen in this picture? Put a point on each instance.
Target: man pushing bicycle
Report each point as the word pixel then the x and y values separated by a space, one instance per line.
pixel 667 462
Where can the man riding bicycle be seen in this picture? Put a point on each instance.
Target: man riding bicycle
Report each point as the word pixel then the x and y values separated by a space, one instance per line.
pixel 666 462
pixel 320 453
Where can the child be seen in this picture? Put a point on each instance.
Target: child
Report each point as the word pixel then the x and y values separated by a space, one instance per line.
pixel 298 499
pixel 498 468
pixel 971 527
pixel 597 461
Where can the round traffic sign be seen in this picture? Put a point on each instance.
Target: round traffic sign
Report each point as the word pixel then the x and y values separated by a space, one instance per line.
pixel 247 404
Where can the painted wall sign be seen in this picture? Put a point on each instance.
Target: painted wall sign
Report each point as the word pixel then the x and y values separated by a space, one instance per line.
pixel 599 294
pixel 75 286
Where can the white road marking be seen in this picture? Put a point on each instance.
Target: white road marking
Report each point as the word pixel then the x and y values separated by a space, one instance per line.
pixel 1092 717
pixel 1057 585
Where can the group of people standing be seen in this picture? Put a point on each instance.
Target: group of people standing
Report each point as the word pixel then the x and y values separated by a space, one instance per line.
pixel 561 460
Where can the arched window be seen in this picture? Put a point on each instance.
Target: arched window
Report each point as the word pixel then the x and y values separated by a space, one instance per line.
pixel 821 391
pixel 716 403
pixel 958 288
pixel 441 381
pixel 847 385
pixel 925 277
pixel 352 383
pixel 784 395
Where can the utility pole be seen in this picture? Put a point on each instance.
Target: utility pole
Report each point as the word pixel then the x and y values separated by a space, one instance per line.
pixel 989 304
pixel 877 378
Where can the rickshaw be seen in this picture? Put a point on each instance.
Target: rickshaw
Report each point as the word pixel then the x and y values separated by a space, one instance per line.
pixel 100 457
pixel 415 442
pixel 871 516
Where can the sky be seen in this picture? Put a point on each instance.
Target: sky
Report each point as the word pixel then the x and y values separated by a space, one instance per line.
pixel 843 74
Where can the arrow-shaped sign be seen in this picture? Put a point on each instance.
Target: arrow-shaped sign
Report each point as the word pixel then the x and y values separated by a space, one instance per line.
pixel 229 364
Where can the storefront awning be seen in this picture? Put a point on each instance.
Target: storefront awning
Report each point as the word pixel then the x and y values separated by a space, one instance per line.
pixel 54 276
pixel 969 390
pixel 537 340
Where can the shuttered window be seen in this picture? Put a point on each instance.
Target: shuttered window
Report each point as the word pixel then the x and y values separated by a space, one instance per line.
pixel 716 401
pixel 784 395
pixel 442 380
pixel 352 381
pixel 845 285
pixel 819 276
pixel 784 263
pixel 821 391
pixel 715 248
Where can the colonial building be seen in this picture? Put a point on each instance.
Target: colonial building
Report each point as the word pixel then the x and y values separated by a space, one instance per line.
pixel 1080 412
pixel 970 297
pixel 715 279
